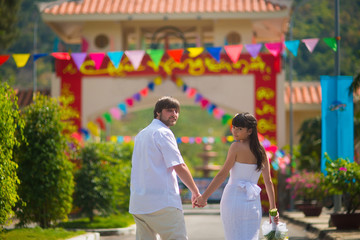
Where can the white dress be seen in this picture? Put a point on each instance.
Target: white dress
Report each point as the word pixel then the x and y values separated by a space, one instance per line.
pixel 240 205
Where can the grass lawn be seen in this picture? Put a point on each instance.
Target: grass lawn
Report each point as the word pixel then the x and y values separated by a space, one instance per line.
pixel 113 221
pixel 38 233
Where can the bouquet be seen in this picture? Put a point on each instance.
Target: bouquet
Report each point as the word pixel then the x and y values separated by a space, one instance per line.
pixel 273 231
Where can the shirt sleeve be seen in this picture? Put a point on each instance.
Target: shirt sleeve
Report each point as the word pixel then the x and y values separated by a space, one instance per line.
pixel 166 142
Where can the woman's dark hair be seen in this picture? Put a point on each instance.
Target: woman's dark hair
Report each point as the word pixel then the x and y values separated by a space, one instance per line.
pixel 165 103
pixel 247 120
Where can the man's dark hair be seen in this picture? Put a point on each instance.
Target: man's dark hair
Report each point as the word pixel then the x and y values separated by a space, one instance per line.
pixel 165 103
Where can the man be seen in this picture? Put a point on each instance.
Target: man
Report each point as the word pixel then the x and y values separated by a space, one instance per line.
pixel 155 199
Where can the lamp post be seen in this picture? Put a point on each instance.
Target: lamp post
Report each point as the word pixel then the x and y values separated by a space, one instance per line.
pixel 35 51
pixel 337 198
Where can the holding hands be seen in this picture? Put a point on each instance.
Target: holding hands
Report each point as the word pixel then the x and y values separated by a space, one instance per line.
pixel 200 202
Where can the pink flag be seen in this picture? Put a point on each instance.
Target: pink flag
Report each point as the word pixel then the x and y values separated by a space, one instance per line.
pixel 233 51
pixel 97 58
pixel 274 48
pixel 115 113
pixel 310 43
pixel 135 57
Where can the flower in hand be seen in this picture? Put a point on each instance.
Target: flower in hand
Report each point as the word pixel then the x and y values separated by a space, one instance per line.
pixel 201 202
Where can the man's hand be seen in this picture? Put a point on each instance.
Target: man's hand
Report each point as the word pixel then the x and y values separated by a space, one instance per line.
pixel 200 202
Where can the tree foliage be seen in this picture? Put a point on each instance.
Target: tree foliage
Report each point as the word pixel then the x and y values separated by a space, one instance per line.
pixel 316 19
pixel 103 180
pixel 9 17
pixel 44 170
pixel 10 123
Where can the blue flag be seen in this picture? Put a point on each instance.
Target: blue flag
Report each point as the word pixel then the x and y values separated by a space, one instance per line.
pixel 337 122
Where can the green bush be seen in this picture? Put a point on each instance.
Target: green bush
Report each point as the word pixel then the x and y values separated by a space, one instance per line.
pixel 44 170
pixel 103 179
pixel 9 121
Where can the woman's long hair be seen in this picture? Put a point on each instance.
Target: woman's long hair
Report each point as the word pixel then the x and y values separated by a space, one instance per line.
pixel 247 120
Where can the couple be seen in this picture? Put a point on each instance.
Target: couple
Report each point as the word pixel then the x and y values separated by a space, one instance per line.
pixel 155 201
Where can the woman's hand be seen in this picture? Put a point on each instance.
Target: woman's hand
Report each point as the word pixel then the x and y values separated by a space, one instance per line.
pixel 276 218
pixel 201 202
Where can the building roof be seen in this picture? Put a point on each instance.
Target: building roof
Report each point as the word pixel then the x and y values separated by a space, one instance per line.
pixel 160 7
pixel 303 93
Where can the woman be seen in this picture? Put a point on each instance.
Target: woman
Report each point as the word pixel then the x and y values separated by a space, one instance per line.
pixel 240 205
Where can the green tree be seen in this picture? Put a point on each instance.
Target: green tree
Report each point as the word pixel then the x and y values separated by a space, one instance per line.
pixel 9 17
pixel 10 121
pixel 44 169
pixel 103 180
pixel 310 145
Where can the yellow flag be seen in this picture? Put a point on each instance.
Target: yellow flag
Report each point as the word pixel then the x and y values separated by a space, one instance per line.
pixel 195 51
pixel 21 59
pixel 93 128
pixel 158 80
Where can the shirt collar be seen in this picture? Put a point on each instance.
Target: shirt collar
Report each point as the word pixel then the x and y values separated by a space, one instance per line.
pixel 157 121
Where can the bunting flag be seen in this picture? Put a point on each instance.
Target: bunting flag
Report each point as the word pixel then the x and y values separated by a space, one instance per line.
pixel 21 59
pixel 253 49
pixel 101 123
pixel 93 128
pixel 3 59
pixel 175 54
pixel 123 108
pixel 115 57
pixel 61 55
pixel 155 55
pixel 137 97
pixel 144 92
pixel 115 113
pixel 214 52
pixel 85 132
pixel 331 42
pixel 233 51
pixel 107 117
pixel 310 43
pixel 158 80
pixel 135 57
pixel 97 58
pixel 36 56
pixel 292 46
pixel 274 48
pixel 78 58
pixel 195 51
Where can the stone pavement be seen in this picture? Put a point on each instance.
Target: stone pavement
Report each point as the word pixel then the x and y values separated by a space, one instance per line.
pixel 319 226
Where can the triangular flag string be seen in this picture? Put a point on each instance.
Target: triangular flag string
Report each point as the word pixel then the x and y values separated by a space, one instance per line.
pixel 3 59
pixel 78 58
pixel 331 42
pixel 274 48
pixel 135 57
pixel 115 57
pixel 310 43
pixel 21 59
pixel 97 58
pixel 195 51
pixel 292 46
pixel 253 49
pixel 155 55
pixel 215 52
pixel 175 54
pixel 36 56
pixel 233 51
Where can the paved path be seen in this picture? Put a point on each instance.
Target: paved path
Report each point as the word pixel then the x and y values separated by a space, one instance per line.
pixel 205 224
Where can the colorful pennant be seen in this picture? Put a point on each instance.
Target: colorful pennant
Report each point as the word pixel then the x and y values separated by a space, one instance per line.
pixel 155 55
pixel 175 54
pixel 78 58
pixel 21 59
pixel 274 48
pixel 135 57
pixel 195 51
pixel 214 52
pixel 253 49
pixel 3 59
pixel 310 43
pixel 233 51
pixel 97 58
pixel 115 57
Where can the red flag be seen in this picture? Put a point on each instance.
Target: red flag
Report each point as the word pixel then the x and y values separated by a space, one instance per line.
pixel 176 54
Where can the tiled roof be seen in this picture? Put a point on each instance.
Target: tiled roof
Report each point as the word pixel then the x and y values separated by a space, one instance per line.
pixel 25 96
pixel 161 6
pixel 303 93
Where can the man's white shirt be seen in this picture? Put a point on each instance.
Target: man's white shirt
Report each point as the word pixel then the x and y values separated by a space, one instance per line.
pixel 154 184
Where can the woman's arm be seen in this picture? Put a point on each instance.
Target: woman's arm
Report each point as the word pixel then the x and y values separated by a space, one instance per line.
pixel 269 188
pixel 220 177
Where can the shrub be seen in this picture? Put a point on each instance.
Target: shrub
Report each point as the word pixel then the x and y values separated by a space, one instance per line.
pixel 9 121
pixel 103 180
pixel 45 172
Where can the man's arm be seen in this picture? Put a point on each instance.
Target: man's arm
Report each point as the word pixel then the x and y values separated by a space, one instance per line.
pixel 184 174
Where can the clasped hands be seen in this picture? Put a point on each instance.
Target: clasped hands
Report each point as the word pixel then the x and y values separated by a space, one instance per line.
pixel 199 201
